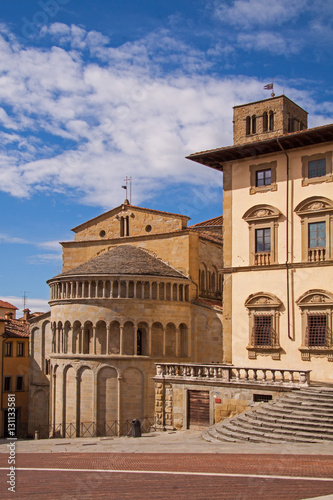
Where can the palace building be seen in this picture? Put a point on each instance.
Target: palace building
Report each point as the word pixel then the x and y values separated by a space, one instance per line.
pixel 278 238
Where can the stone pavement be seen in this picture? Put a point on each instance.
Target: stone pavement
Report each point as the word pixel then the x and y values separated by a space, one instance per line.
pixel 163 442
pixel 168 465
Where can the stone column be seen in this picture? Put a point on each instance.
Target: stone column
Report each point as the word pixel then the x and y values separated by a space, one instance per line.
pixel 164 346
pixel 94 339
pixel 134 289
pixel 135 339
pixel 70 343
pixel 177 342
pixel 89 289
pixel 121 339
pixel 149 340
pixel 119 379
pixel 103 294
pixel 107 339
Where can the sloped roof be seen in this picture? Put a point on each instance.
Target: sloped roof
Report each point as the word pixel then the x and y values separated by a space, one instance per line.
pixel 7 305
pixel 121 207
pixel 215 221
pixel 125 260
pixel 15 328
pixel 215 158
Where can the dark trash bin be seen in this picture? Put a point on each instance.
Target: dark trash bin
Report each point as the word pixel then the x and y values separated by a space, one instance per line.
pixel 136 428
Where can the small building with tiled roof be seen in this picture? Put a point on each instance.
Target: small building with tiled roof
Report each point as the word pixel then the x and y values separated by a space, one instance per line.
pixel 14 373
pixel 7 309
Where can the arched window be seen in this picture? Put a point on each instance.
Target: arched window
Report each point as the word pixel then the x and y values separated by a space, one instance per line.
pixel 254 124
pixel 271 120
pixel 248 125
pixel 265 121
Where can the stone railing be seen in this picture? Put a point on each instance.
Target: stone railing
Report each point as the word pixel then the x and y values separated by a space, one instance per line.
pixel 119 288
pixel 262 258
pixel 227 373
pixel 317 254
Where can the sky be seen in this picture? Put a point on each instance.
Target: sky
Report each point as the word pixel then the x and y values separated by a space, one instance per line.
pixel 94 91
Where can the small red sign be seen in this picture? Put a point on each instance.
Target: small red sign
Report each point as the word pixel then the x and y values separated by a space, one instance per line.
pixel 217 400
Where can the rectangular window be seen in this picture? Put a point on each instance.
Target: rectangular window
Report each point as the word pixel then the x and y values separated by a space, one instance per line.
pixel 263 240
pixel 20 383
pixel 7 385
pixel 317 234
pixel 316 334
pixel 317 168
pixel 263 177
pixel 262 330
pixel 20 349
pixel 8 348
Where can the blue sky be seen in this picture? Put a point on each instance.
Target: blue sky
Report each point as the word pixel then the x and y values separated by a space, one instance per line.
pixel 91 92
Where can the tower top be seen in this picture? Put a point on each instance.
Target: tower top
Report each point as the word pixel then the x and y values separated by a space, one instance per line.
pixel 273 117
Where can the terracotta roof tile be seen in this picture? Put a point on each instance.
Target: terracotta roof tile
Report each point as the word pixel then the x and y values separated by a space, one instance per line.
pixel 125 260
pixel 16 328
pixel 216 221
pixel 7 305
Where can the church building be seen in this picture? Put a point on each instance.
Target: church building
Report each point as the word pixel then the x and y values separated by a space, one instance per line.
pixel 138 287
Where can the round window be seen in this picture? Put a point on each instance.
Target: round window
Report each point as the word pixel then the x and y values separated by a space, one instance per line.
pixel 102 233
pixel 148 228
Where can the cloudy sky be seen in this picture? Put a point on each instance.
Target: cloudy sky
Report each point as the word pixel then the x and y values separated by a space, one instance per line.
pixel 93 91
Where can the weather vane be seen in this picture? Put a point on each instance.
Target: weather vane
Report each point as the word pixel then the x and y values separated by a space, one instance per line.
pixel 270 86
pixel 128 180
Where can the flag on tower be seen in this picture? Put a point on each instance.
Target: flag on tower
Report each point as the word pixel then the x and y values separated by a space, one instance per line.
pixel 269 86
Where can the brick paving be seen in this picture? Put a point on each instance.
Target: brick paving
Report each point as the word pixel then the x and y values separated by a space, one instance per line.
pixel 68 484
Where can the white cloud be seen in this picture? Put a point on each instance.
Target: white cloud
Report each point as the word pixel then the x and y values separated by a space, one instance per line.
pixel 4 238
pixel 249 13
pixel 102 122
pixel 34 304
pixel 271 42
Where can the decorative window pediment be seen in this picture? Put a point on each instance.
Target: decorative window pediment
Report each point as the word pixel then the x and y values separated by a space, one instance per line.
pixel 260 212
pixel 313 298
pixel 262 300
pixel 313 205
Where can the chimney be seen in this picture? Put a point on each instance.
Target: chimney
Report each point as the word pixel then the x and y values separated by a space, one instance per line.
pixel 26 314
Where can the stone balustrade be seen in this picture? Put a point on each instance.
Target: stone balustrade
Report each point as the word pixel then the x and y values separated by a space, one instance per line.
pixel 227 373
pixel 118 288
pixel 317 254
pixel 262 258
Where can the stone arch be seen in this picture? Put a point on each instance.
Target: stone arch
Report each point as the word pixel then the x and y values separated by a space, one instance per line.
pixel 114 337
pixel 142 339
pixel 77 338
pixel 216 346
pixel 315 297
pixel 107 398
pixel 201 337
pixel 157 339
pixel 66 336
pixel 86 393
pixel 132 390
pixel 88 338
pixel 40 411
pixel 70 403
pixel 183 340
pixel 170 339
pixel 128 338
pixel 101 338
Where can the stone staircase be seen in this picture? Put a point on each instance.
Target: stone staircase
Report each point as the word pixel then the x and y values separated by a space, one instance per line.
pixel 304 416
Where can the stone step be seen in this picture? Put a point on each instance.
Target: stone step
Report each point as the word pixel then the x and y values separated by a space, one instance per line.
pixel 278 419
pixel 256 435
pixel 319 433
pixel 298 415
pixel 304 416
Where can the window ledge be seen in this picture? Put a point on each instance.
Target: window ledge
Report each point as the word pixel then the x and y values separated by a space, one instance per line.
pixel 275 351
pixel 263 189
pixel 306 352
pixel 317 180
